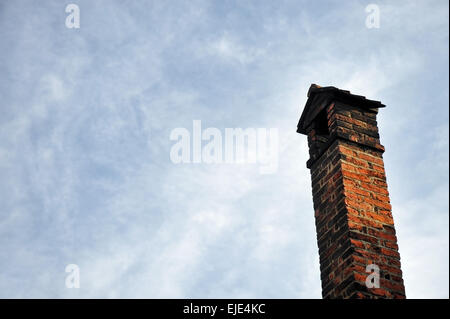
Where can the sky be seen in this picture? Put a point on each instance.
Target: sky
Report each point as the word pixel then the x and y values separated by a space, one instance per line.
pixel 86 115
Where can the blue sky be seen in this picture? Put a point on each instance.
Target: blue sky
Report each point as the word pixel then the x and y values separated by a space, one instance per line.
pixel 85 120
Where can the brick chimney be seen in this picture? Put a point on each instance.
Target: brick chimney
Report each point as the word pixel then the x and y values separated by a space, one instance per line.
pixel 355 228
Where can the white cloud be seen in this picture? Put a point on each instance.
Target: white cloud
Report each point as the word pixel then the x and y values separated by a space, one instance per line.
pixel 230 50
pixel 84 145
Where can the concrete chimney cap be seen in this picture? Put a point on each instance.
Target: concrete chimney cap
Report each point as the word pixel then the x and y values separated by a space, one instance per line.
pixel 319 98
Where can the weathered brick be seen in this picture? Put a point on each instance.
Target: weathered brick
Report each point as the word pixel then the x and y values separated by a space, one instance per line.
pixel 351 202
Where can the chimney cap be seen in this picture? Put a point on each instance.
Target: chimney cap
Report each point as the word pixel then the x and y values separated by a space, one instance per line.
pixel 319 98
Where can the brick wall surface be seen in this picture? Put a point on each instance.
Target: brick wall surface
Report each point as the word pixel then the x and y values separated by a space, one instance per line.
pixel 354 222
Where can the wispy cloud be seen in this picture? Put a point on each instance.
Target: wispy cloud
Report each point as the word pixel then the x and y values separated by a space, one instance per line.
pixel 84 143
pixel 229 49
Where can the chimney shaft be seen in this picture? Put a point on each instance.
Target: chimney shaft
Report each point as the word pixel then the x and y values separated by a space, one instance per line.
pixel 355 228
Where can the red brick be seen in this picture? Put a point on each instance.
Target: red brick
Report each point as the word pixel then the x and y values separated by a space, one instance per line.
pixel 353 215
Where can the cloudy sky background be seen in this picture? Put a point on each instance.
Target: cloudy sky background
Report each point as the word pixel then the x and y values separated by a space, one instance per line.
pixel 85 119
